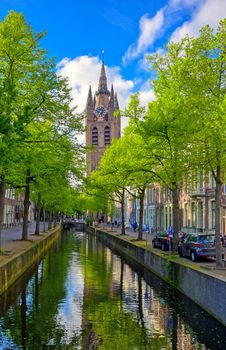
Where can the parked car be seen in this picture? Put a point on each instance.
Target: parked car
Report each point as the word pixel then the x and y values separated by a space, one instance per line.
pixel 162 240
pixel 223 240
pixel 197 245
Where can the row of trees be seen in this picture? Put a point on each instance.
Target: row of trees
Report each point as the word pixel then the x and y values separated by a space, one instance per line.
pixel 181 133
pixel 39 154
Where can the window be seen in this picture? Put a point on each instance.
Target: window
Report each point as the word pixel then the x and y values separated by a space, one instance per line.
pixel 107 136
pixel 213 211
pixel 186 214
pixel 95 136
pixel 200 215
pixel 200 180
pixel 167 217
pixel 170 216
pixel 212 181
pixel 151 216
pixel 224 189
pixel 193 215
pixel 150 195
pixel 224 220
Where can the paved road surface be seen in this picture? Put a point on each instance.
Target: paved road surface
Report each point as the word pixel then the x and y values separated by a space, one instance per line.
pixel 13 233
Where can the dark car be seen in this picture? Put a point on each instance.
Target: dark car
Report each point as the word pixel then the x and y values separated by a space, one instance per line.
pixel 162 240
pixel 223 241
pixel 197 245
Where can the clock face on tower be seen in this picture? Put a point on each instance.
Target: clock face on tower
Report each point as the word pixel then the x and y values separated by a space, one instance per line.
pixel 100 113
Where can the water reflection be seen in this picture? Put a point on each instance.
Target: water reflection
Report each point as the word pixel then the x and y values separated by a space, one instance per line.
pixel 84 296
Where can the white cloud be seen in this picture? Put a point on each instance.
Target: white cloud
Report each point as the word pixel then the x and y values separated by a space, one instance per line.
pixel 150 30
pixel 83 71
pixel 146 95
pixel 211 12
pixel 201 12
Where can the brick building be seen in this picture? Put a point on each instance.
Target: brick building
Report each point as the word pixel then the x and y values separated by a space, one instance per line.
pixel 101 124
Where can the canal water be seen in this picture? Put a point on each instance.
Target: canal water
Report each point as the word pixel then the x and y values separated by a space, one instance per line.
pixel 82 295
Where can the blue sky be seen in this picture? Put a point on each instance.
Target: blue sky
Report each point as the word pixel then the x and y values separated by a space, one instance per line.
pixel 127 30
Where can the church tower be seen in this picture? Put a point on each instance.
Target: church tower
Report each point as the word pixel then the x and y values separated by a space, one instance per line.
pixel 101 124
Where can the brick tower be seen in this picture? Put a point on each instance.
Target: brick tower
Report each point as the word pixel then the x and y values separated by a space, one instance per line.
pixel 101 125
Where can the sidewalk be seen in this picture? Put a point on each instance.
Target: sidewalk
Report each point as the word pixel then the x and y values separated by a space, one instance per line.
pixel 129 231
pixel 13 233
pixel 12 243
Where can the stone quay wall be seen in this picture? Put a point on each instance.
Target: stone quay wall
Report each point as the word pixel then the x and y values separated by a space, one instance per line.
pixel 14 267
pixel 204 287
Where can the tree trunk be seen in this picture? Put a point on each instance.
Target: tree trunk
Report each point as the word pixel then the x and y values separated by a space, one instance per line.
pixel 2 200
pixel 55 219
pixel 141 214
pixel 38 211
pixel 218 194
pixel 50 220
pixel 26 207
pixel 44 220
pixel 123 232
pixel 176 216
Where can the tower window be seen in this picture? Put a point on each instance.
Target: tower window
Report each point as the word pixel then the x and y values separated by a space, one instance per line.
pixel 95 136
pixel 107 136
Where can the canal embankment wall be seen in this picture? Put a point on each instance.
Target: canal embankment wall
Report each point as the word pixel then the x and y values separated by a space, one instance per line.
pixel 205 287
pixel 15 266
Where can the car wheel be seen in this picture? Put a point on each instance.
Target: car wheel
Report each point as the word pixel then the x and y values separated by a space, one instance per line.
pixel 193 256
pixel 163 246
pixel 180 253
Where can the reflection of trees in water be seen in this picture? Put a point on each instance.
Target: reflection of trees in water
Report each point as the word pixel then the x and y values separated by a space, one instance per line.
pixel 107 323
pixel 188 324
pixel 119 309
pixel 23 307
pixel 31 321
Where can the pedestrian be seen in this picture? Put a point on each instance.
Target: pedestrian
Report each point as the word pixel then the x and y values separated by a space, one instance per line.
pixel 134 226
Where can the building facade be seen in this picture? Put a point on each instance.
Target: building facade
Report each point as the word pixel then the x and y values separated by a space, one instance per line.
pixel 102 126
pixel 197 206
pixel 14 209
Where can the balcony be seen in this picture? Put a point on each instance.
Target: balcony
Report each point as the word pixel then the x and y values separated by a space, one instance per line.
pixel 198 192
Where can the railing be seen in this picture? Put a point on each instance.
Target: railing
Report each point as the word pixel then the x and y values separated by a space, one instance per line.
pixel 197 192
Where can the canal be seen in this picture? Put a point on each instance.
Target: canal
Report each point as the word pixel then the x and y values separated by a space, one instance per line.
pixel 82 295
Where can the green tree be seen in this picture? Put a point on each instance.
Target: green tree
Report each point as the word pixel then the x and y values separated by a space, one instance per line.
pixel 165 128
pixel 107 183
pixel 206 90
pixel 31 94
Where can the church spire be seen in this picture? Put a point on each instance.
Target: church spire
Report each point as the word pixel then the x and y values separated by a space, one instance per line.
pixel 116 105
pixel 111 101
pixel 102 87
pixel 89 103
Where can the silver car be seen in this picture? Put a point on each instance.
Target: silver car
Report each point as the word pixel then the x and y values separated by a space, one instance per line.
pixel 197 245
